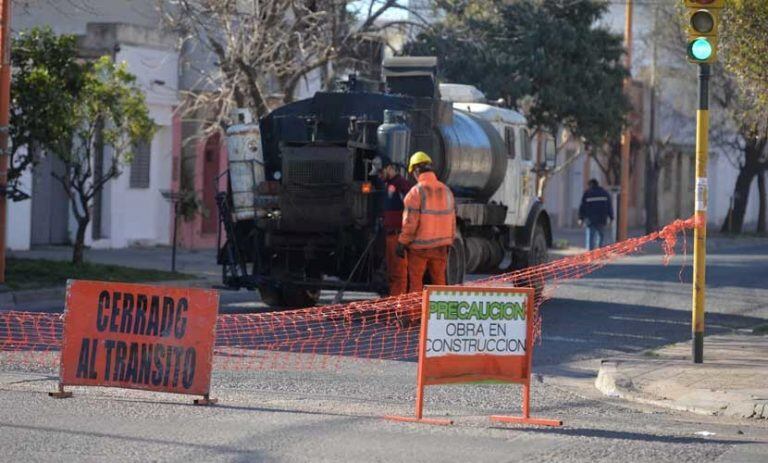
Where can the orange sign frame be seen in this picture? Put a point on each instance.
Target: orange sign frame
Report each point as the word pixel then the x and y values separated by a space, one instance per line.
pixel 135 336
pixel 479 367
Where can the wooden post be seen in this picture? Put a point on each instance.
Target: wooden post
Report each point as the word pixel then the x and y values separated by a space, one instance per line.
pixel 626 137
pixel 5 99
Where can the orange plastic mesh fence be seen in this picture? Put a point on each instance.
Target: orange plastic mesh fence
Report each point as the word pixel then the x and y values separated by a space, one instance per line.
pixel 316 337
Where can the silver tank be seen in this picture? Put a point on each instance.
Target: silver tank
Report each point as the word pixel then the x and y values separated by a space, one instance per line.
pixel 472 159
pixel 246 163
pixel 393 137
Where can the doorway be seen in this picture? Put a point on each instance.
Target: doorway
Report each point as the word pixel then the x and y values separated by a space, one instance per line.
pixel 50 205
pixel 211 155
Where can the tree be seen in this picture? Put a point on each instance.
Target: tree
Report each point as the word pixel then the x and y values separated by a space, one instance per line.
pixel 107 113
pixel 744 134
pixel 46 80
pixel 739 90
pixel 547 58
pixel 744 47
pixel 259 44
pixel 744 28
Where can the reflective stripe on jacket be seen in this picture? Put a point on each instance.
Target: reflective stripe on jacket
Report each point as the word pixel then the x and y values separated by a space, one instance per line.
pixel 429 218
pixel 596 206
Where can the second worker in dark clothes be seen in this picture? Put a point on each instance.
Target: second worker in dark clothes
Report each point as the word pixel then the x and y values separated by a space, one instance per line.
pixel 429 224
pixel 396 187
pixel 595 213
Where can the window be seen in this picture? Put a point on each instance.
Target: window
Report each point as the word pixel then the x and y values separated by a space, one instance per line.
pixel 509 140
pixel 525 139
pixel 140 165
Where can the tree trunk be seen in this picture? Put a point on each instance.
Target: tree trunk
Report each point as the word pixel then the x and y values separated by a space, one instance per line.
pixel 761 225
pixel 734 221
pixel 651 192
pixel 79 248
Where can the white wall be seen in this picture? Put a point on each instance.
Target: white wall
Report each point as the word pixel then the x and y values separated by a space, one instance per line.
pixel 722 178
pixel 563 192
pixel 141 215
pixel 71 16
pixel 129 215
pixel 151 65
pixel 311 83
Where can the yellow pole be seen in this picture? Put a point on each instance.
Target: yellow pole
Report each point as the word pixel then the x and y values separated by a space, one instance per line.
pixel 700 232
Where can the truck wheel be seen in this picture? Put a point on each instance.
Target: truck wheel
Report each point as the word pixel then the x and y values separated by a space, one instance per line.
pixel 538 252
pixel 271 296
pixel 300 297
pixel 288 297
pixel 457 261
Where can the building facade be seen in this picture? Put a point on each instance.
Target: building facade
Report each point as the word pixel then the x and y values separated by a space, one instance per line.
pixel 131 209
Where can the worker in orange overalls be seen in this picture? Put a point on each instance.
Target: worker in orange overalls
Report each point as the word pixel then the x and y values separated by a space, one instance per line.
pixel 429 224
pixel 396 187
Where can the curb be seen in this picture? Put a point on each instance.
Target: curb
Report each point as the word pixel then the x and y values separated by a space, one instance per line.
pixel 13 299
pixel 612 382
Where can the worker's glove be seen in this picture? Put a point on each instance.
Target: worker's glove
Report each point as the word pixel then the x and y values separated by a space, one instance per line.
pixel 400 250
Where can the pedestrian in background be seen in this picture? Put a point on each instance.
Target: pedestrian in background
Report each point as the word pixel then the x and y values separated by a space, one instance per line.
pixel 595 213
pixel 429 225
pixel 395 188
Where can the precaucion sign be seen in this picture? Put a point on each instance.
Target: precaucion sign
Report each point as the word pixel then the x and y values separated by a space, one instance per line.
pixel 138 336
pixel 472 334
pixel 476 334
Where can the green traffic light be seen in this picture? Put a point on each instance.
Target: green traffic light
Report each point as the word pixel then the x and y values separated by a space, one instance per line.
pixel 700 49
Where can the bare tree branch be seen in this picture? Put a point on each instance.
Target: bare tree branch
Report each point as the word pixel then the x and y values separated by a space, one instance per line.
pixel 266 47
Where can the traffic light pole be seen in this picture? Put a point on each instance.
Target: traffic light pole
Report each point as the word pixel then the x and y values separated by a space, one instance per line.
pixel 700 231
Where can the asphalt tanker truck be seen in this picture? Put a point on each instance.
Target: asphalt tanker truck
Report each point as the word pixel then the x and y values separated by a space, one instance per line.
pixel 300 213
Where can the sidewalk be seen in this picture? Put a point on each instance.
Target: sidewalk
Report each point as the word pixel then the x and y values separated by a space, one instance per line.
pixel 573 240
pixel 200 263
pixel 732 381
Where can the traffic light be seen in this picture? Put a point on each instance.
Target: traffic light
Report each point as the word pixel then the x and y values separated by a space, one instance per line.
pixel 702 21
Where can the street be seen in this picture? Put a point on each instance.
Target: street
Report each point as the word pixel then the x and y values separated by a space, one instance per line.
pixel 634 305
pixel 566 200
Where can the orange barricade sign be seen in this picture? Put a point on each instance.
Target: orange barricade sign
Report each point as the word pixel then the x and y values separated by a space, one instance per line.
pixel 471 334
pixel 134 336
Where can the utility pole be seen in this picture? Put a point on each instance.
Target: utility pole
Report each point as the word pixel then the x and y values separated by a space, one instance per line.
pixel 5 100
pixel 626 137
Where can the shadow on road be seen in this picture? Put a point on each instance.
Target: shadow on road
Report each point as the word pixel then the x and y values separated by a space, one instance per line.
pixel 576 329
pixel 625 435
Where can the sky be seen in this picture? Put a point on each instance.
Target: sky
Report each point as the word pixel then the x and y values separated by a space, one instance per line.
pixel 391 14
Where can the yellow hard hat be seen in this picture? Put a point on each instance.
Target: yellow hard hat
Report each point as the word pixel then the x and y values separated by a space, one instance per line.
pixel 419 157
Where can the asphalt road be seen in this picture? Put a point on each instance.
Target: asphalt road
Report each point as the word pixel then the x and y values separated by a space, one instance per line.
pixel 633 305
